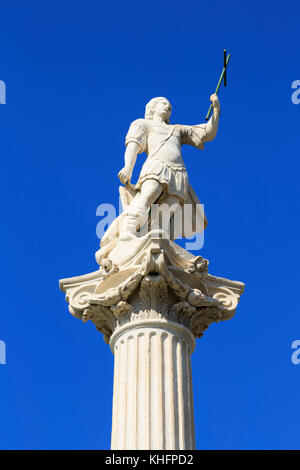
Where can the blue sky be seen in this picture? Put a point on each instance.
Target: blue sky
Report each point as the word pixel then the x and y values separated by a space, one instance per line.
pixel 77 73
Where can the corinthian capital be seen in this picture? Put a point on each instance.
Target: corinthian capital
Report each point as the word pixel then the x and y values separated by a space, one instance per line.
pixel 162 281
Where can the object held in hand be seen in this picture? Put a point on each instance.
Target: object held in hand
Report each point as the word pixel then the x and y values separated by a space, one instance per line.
pixel 226 59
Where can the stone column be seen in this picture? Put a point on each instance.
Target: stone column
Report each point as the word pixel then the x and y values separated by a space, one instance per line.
pixel 150 308
pixel 153 394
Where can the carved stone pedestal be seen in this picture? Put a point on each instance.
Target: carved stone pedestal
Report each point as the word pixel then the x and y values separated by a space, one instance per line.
pixel 150 309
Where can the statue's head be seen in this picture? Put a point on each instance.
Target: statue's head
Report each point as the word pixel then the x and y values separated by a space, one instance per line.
pixel 160 106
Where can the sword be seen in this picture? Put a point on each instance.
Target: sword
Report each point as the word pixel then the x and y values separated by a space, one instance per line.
pixel 226 59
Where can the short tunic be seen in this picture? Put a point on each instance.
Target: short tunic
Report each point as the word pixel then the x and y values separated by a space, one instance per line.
pixel 164 163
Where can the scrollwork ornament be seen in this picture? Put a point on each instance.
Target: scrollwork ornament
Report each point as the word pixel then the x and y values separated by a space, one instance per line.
pixel 227 299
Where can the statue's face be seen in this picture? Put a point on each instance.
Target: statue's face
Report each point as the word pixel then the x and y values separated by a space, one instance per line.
pixel 163 109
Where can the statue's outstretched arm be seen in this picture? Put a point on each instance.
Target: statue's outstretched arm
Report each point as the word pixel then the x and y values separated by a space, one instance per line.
pixel 131 152
pixel 211 126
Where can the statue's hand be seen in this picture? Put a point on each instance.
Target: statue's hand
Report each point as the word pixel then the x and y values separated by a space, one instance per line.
pixel 124 175
pixel 215 101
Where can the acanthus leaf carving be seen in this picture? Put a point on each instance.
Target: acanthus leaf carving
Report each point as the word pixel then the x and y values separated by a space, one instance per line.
pixel 182 312
pixel 202 318
pixel 153 297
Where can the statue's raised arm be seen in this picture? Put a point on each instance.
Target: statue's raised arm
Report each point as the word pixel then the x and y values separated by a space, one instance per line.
pixel 212 125
pixel 198 134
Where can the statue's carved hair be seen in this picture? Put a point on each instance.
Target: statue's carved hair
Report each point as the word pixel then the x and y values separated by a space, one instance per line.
pixel 150 107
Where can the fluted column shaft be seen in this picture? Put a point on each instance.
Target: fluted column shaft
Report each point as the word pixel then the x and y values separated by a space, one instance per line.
pixel 153 396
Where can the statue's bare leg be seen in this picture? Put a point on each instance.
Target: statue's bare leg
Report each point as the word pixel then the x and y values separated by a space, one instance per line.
pixel 137 211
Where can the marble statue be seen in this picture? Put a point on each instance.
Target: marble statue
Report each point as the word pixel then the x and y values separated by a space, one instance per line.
pixel 151 298
pixel 163 179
